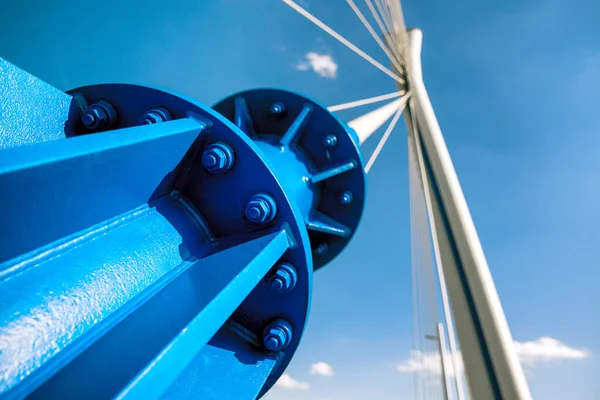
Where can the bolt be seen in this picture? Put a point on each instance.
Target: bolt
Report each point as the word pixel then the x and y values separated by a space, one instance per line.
pixel 322 248
pixel 278 109
pixel 282 278
pixel 98 116
pixel 330 140
pixel 277 335
pixel 261 209
pixel 155 116
pixel 218 158
pixel 346 197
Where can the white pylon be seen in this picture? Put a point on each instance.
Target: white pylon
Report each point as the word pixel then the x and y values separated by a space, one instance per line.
pixel 367 124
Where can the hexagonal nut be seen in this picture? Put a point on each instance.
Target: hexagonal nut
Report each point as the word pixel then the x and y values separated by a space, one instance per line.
pixel 282 276
pixel 155 116
pixel 275 339
pixel 277 335
pixel 257 210
pixel 94 118
pixel 217 158
pixel 151 118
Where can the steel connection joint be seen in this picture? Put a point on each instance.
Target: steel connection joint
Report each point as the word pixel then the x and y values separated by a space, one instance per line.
pixel 261 209
pixel 155 116
pixel 218 158
pixel 282 278
pixel 98 116
pixel 277 335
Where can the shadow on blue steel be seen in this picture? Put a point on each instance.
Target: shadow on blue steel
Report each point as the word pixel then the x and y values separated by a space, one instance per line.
pixel 131 258
pixel 317 159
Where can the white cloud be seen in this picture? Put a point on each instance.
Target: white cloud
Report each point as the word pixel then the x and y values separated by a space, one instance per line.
pixel 322 64
pixel 421 362
pixel 287 382
pixel 544 349
pixel 547 349
pixel 321 368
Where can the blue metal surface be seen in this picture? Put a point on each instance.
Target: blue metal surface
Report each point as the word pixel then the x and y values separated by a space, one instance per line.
pixel 31 111
pixel 151 248
pixel 317 159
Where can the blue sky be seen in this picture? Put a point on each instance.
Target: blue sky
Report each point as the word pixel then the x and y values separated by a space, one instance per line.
pixel 516 87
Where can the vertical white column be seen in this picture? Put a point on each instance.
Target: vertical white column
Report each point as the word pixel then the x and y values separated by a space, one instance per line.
pixel 491 365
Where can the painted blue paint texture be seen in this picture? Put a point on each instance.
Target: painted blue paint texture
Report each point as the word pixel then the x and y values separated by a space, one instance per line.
pixel 31 111
pixel 151 223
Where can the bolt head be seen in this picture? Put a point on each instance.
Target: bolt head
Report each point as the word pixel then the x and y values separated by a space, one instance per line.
pixel 258 210
pixel 94 118
pixel 272 343
pixel 281 280
pixel 88 119
pixel 330 141
pixel 277 108
pixel 277 335
pixel 155 116
pixel 217 158
pixel 346 197
pixel 275 339
pixel 261 209
pixel 322 248
pixel 150 118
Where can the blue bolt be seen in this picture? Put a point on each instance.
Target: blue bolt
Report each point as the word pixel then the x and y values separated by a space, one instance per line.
pixel 88 119
pixel 277 108
pixel 261 209
pixel 346 197
pixel 218 158
pixel 322 248
pixel 98 116
pixel 282 278
pixel 155 116
pixel 277 335
pixel 330 140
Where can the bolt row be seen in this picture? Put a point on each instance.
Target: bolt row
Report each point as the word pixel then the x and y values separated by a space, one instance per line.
pixel 218 158
pixel 102 115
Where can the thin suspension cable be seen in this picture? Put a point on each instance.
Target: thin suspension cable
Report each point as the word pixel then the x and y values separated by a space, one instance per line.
pixel 412 266
pixel 391 25
pixel 419 387
pixel 427 289
pixel 367 25
pixel 343 40
pixel 384 139
pixel 440 272
pixel 401 33
pixel 384 31
pixel 384 15
pixel 370 100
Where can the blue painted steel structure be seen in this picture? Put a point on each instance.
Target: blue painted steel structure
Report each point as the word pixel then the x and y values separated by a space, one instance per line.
pixel 155 247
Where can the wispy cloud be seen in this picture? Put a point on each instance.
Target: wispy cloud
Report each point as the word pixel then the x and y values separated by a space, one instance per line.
pixel 542 350
pixel 322 369
pixel 322 64
pixel 547 349
pixel 287 382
